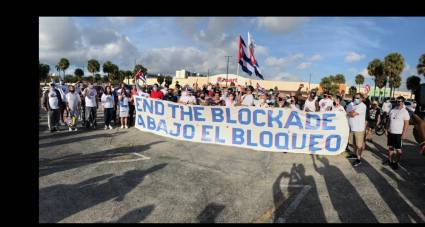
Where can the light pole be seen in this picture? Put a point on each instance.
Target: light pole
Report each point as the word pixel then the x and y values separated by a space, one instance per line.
pixel 227 71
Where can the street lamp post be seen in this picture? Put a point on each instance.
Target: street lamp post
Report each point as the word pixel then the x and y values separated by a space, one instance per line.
pixel 227 71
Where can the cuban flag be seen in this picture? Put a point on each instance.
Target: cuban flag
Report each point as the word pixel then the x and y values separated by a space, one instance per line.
pixel 140 75
pixel 248 62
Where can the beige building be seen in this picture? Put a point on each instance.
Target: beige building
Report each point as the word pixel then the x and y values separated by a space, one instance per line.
pixel 238 80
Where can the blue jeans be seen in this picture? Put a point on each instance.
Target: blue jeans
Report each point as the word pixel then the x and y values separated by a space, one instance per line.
pixel 108 115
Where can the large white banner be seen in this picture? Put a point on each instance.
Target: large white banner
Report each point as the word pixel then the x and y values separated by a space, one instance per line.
pixel 265 129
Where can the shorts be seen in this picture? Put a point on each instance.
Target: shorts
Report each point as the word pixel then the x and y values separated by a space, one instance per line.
pixel 394 141
pixel 357 139
pixel 371 124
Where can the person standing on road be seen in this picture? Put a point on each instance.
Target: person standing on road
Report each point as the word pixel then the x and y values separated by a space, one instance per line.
pixel 51 100
pixel 396 131
pixel 132 106
pixel 90 94
pixel 124 99
pixel 73 102
pixel 373 120
pixel 356 112
pixel 108 102
pixel 63 90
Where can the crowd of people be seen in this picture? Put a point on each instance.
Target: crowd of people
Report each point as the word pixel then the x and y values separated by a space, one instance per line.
pixel 66 105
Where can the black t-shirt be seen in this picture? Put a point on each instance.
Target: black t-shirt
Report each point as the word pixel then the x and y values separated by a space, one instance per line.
pixel 373 114
pixel 367 103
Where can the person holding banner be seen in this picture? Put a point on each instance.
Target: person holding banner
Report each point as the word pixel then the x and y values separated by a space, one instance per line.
pixel 337 104
pixel 356 112
pixel 311 104
pixel 248 99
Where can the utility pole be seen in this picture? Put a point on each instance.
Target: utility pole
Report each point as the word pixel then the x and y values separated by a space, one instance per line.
pixel 227 72
pixel 208 77
pixel 309 81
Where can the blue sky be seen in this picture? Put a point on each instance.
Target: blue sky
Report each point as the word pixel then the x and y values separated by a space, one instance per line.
pixel 288 48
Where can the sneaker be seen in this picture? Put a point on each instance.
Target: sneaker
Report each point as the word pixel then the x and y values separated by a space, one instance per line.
pixel 357 162
pixel 122 126
pixel 110 127
pixel 70 129
pixel 106 127
pixel 394 165
pixel 75 129
pixel 386 162
pixel 126 126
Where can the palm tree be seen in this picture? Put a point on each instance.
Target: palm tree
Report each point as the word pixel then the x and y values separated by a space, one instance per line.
pixel 393 66
pixel 381 81
pixel 93 66
pixel 107 68
pixel 395 83
pixel 339 79
pixel 43 71
pixel 421 66
pixel 359 80
pixel 352 91
pixel 140 67
pixel 63 64
pixel 79 73
pixel 413 83
pixel 375 69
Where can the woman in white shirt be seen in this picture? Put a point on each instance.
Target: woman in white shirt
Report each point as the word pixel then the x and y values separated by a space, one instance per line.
pixel 107 100
pixel 337 104
pixel 123 100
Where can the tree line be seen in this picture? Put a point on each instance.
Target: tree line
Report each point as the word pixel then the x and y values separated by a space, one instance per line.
pixel 384 72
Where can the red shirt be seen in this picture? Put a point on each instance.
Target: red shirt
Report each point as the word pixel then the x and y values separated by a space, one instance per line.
pixel 157 95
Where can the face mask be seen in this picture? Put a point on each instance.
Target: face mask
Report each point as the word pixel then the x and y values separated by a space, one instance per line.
pixel 357 101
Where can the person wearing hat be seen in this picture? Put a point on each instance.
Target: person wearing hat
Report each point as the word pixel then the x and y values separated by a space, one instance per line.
pixel 373 119
pixel 51 103
pixel 311 104
pixel 262 100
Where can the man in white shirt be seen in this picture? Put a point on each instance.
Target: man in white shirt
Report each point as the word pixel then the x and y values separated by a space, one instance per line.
pixel 73 106
pixel 356 112
pixel 396 131
pixel 51 100
pixel 325 103
pixel 90 95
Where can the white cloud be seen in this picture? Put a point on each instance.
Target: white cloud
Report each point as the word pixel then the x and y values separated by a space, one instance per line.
pixel 315 57
pixel 353 56
pixel 61 38
pixel 304 65
pixel 280 62
pixel 122 20
pixel 260 50
pixel 365 73
pixel 280 25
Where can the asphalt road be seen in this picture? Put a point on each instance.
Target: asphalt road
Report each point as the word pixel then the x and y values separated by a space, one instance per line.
pixel 125 175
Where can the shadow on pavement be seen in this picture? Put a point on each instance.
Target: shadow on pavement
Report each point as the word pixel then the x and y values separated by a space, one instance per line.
pixel 210 213
pixel 63 200
pixel 78 139
pixel 50 166
pixel 310 207
pixel 344 197
pixel 413 196
pixel 137 215
pixel 392 198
